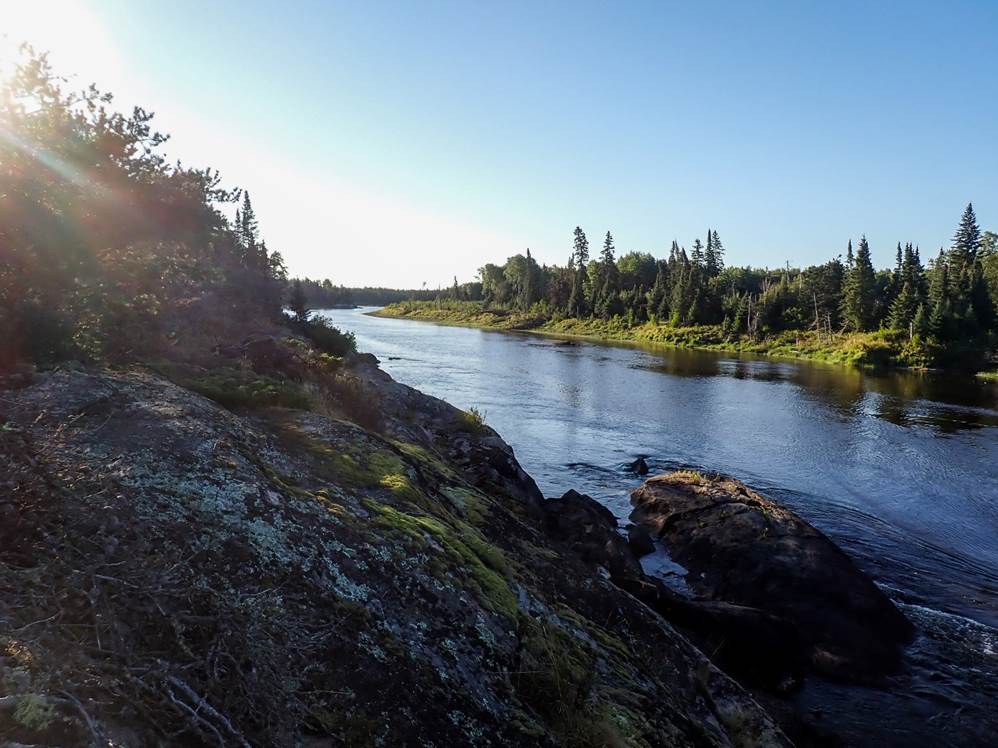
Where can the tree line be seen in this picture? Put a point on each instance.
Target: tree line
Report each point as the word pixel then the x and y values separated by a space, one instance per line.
pixel 324 295
pixel 946 305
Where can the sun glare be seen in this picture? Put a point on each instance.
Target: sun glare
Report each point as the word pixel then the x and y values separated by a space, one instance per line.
pixel 68 30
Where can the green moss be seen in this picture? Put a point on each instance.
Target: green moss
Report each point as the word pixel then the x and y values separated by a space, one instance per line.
pixel 360 461
pixel 473 557
pixel 988 376
pixel 468 502
pixel 426 459
pixel 401 486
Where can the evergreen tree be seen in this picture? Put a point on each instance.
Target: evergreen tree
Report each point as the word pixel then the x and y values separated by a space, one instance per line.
pixel 967 240
pixel 714 256
pixel 859 290
pixel 298 303
pixel 581 248
pixel 910 297
pixel 577 297
pixel 658 294
pixel 606 254
pixel 940 322
pixel 696 257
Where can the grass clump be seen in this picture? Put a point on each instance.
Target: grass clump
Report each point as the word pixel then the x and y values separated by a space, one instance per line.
pixel 471 420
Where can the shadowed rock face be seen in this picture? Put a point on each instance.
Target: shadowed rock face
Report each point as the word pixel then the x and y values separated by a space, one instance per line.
pixel 743 548
pixel 174 572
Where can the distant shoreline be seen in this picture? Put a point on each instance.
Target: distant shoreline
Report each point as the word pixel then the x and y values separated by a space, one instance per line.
pixel 867 350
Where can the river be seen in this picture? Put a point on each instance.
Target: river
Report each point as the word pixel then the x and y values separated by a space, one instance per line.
pixel 899 468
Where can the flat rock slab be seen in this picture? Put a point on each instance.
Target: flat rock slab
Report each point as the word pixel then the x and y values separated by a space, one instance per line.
pixel 743 548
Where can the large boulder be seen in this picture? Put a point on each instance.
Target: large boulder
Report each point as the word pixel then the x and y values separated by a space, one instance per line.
pixel 175 572
pixel 745 549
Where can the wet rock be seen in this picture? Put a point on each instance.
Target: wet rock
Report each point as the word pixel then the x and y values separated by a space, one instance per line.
pixel 590 530
pixel 639 466
pixel 639 540
pixel 745 549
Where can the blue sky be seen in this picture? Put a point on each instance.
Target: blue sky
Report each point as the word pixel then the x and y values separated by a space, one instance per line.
pixel 402 143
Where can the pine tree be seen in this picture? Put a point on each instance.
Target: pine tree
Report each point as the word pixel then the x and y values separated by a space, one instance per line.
pixel 606 255
pixel 910 297
pixel 715 254
pixel 696 257
pixel 577 297
pixel 940 322
pixel 657 294
pixel 850 260
pixel 967 240
pixel 298 302
pixel 581 248
pixel 859 290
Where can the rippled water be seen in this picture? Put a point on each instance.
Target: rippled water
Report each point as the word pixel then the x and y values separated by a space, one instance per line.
pixel 901 469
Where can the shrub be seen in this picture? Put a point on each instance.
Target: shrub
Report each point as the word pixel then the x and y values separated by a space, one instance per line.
pixel 325 337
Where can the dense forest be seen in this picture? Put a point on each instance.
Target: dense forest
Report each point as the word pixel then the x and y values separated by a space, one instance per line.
pixel 944 309
pixel 109 251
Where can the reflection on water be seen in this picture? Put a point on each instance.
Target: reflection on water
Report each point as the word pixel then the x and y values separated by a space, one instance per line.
pixel 900 468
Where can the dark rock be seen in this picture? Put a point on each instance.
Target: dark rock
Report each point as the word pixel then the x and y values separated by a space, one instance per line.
pixel 590 529
pixel 639 541
pixel 745 549
pixel 758 647
pixel 639 466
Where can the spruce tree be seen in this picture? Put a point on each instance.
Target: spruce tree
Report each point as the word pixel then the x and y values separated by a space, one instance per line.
pixel 859 290
pixel 581 248
pixel 716 264
pixel 606 256
pixel 967 240
pixel 696 257
pixel 298 303
pixel 940 322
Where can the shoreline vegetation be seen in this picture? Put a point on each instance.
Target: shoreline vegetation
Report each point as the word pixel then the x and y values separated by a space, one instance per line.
pixel 881 348
pixel 918 316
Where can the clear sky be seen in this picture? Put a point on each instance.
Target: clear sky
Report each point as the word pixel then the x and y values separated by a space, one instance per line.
pixel 402 143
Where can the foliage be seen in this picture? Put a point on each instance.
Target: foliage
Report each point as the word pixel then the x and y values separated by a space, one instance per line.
pixel 910 315
pixel 325 337
pixel 472 420
pixel 101 237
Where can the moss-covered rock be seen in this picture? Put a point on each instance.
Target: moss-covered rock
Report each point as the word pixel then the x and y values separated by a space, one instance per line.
pixel 172 572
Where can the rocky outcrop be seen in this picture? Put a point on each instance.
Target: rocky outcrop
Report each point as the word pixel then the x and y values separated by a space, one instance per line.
pixel 759 648
pixel 173 572
pixel 742 548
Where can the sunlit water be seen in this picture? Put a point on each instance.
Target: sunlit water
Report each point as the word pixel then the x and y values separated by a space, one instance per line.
pixel 900 469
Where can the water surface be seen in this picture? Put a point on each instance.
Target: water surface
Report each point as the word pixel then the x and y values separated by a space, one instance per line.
pixel 899 468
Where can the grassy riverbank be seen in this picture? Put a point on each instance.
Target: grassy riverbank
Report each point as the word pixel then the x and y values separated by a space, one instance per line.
pixel 880 348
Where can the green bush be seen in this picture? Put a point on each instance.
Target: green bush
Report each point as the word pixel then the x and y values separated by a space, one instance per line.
pixel 325 337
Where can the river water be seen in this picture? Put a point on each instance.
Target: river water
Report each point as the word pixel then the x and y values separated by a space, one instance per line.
pixel 899 468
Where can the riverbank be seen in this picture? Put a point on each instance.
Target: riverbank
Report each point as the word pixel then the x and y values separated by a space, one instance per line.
pixel 882 348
